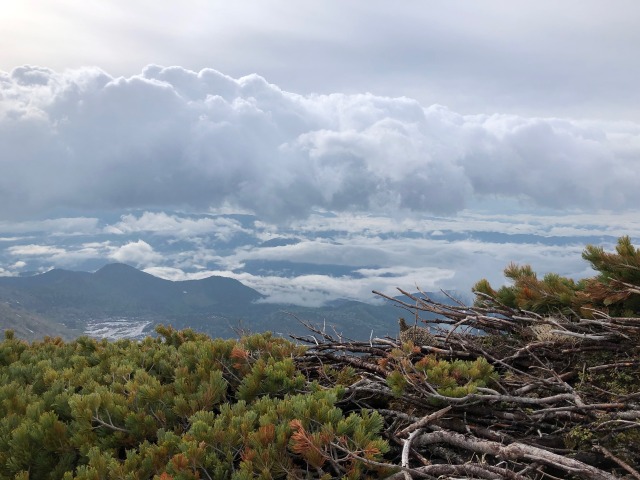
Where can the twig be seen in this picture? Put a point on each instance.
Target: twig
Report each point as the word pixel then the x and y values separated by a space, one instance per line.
pixel 516 451
pixel 406 448
pixel 424 421
pixel 619 461
pixel 111 426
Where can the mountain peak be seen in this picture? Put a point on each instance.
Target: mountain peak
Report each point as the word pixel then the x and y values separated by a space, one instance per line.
pixel 117 267
pixel 122 271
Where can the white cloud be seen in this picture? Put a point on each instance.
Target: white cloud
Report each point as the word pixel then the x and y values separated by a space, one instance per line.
pixel 354 253
pixel 559 223
pixel 160 223
pixel 394 261
pixel 138 253
pixel 12 270
pixel 316 290
pixel 385 253
pixel 364 252
pixel 175 138
pixel 60 256
pixel 35 250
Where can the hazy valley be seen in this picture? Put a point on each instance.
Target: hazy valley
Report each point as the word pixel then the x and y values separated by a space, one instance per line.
pixel 119 301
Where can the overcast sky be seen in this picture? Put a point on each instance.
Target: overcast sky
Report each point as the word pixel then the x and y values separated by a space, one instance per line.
pixel 286 109
pixel 574 58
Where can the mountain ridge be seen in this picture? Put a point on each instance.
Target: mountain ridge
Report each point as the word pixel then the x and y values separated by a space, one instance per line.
pixel 219 306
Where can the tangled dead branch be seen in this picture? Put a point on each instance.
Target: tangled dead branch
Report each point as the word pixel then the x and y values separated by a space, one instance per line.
pixel 498 392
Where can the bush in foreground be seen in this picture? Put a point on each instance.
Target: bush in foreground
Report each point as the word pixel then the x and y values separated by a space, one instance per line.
pixel 178 406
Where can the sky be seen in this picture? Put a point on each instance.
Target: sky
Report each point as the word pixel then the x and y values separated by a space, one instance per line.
pixel 429 142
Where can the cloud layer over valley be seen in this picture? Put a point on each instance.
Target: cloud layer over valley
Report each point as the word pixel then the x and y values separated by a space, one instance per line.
pixel 318 259
pixel 81 140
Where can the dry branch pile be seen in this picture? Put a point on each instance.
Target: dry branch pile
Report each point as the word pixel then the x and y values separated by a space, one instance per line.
pixel 532 396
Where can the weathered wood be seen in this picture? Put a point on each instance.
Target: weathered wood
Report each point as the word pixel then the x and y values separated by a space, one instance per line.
pixel 515 428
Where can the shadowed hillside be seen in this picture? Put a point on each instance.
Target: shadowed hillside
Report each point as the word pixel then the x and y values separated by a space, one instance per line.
pixel 65 302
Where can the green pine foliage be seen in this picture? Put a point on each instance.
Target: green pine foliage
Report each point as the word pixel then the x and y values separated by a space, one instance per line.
pixel 623 265
pixel 454 379
pixel 179 406
pixel 552 294
pixel 613 290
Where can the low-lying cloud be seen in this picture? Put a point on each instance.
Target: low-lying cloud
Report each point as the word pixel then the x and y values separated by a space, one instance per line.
pixel 324 257
pixel 317 290
pixel 161 223
pixel 173 138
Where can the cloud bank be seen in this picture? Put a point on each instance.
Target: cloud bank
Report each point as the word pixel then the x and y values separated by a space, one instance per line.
pixel 320 258
pixel 173 138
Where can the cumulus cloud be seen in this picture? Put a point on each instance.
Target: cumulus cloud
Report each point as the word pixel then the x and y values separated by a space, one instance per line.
pixel 570 58
pixel 138 253
pixel 12 270
pixel 170 137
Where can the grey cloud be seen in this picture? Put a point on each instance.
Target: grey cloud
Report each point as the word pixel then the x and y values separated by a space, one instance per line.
pixel 174 138
pixel 70 226
pixel 31 76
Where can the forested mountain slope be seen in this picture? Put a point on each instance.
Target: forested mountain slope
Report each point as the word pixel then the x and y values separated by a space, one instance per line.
pixel 62 303
pixel 119 289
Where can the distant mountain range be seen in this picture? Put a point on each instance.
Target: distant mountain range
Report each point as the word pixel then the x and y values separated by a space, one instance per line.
pixel 121 301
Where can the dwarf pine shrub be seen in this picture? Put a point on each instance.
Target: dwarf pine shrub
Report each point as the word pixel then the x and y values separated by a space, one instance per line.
pixel 178 406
